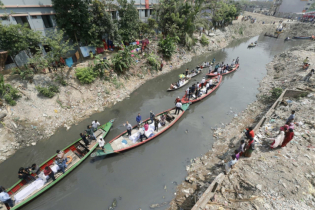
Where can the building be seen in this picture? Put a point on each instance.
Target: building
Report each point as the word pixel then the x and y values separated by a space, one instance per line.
pixel 40 16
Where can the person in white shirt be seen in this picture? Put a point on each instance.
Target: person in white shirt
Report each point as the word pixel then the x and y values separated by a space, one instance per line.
pixel 210 83
pixel 188 94
pixel 101 143
pixel 207 87
pixel 219 70
pixel 95 123
pixel 203 82
pixel 233 62
pixel 5 198
pixel 178 107
pixel 210 69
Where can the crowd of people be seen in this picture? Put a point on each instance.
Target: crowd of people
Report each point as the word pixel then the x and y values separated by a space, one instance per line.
pixel 156 120
pixel 246 149
pixel 221 68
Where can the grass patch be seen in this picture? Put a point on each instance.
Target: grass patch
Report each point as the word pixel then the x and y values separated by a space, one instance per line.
pixel 49 91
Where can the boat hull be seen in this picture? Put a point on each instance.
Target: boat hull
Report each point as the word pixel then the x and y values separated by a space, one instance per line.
pixel 234 69
pixel 15 188
pixel 110 150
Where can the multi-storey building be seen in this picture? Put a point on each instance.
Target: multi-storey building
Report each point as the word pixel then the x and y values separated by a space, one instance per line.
pixel 40 16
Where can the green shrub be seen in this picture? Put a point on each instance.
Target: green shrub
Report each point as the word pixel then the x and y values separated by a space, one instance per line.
pixel 9 99
pixel 123 59
pixel 49 91
pixel 168 45
pixel 204 40
pixel 117 83
pixel 86 75
pixel 153 60
pixel 189 41
pixel 61 80
pixel 276 92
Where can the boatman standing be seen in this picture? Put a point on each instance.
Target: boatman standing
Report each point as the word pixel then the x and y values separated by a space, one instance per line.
pixel 138 119
pixel 129 127
pixel 178 107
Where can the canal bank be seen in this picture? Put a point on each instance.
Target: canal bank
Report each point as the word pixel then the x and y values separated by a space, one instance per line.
pixel 149 174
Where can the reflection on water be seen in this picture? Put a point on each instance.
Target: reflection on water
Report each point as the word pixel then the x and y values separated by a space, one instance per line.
pixel 139 175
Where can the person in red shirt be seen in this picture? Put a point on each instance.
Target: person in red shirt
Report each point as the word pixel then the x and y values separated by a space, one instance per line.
pixel 177 100
pixel 250 133
pixel 49 172
pixel 288 137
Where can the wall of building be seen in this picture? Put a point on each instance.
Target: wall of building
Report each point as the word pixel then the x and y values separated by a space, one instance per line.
pixel 35 11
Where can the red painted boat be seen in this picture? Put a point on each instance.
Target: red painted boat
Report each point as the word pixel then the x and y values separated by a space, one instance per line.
pixel 122 142
pixel 184 99
pixel 234 69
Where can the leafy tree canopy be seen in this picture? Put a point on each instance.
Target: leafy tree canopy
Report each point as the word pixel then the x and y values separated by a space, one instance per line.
pixel 129 20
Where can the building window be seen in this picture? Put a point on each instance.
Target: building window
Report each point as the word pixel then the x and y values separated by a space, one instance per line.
pixel 34 17
pixel 22 20
pixel 47 48
pixel 47 21
pixel 146 13
pixel 34 50
pixel 9 60
pixel 151 11
pixel 114 15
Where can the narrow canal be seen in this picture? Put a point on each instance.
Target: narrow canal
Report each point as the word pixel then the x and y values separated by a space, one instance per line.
pixel 137 178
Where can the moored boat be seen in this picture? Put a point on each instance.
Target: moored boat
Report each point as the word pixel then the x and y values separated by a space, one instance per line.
pixel 22 192
pixel 122 142
pixel 203 91
pixel 181 85
pixel 302 37
pixel 234 69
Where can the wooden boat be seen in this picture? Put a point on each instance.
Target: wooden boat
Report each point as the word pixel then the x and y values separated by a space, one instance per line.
pixel 185 83
pixel 252 45
pixel 77 152
pixel 122 142
pixel 234 69
pixel 203 90
pixel 302 37
pixel 191 75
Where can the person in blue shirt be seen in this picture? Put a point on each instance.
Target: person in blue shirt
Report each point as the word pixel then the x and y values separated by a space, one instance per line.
pixel 138 119
pixel 5 198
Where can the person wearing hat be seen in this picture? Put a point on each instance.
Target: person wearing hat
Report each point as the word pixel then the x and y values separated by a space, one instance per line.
pixel 101 143
pixel 177 100
pixel 152 116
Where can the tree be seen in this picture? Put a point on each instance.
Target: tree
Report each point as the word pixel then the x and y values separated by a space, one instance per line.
pixel 168 45
pixel 73 17
pixel 17 38
pixel 124 59
pixel 148 28
pixel 129 21
pixel 102 23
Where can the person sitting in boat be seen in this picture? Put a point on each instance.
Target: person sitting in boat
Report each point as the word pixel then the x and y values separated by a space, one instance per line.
pixel 169 117
pixel 101 143
pixel 162 120
pixel 225 71
pixel 34 169
pixel 172 87
pixel 61 160
pixel 142 135
pixel 146 126
pixel 25 175
pixel 228 67
pixel 306 61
